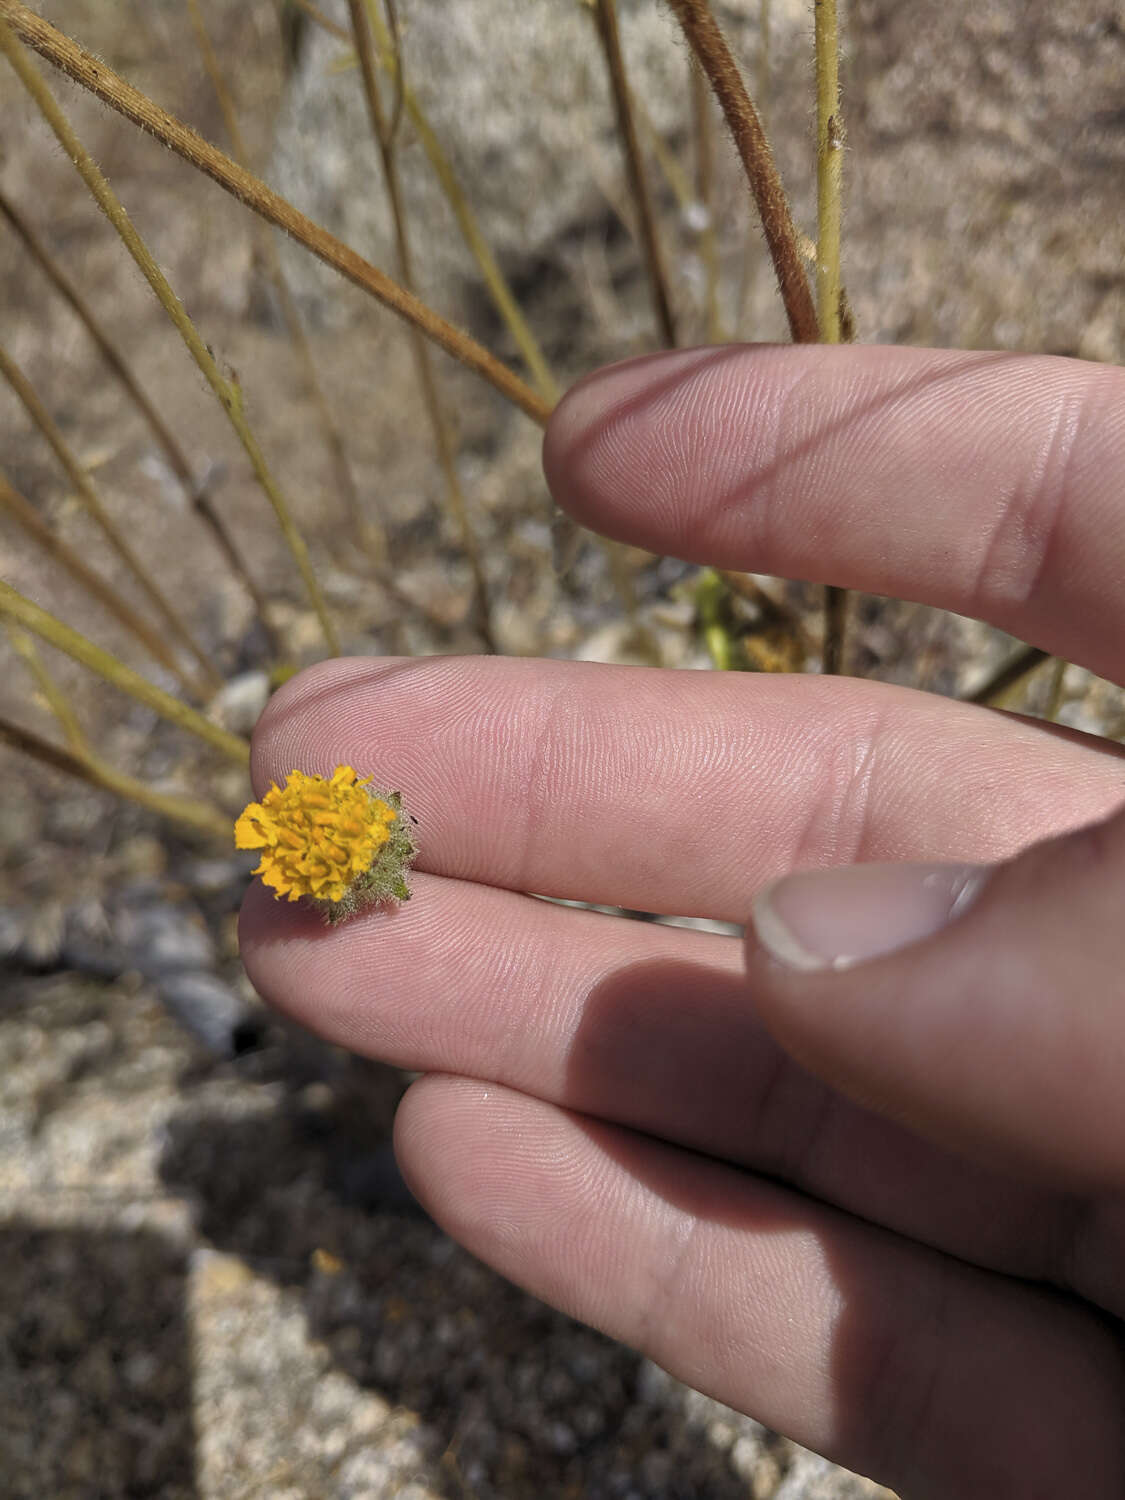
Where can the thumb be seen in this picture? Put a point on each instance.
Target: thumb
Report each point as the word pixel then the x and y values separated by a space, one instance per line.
pixel 984 1007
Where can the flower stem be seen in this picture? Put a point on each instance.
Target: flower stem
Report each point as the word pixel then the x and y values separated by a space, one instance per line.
pixel 17 607
pixel 101 81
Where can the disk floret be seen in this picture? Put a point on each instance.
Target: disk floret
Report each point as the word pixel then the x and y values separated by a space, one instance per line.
pixel 335 841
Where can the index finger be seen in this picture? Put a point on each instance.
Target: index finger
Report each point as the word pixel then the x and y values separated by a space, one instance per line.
pixel 989 484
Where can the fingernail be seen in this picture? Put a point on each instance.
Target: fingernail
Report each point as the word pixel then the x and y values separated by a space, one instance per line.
pixel 833 919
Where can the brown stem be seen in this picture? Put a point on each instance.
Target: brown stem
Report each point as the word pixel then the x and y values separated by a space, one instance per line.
pixel 1007 676
pixel 178 461
pixel 93 75
pixel 606 12
pixel 710 47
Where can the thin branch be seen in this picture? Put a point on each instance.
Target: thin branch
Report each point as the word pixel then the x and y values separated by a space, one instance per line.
pixel 200 816
pixel 227 391
pixel 829 179
pixel 56 700
pixel 1009 675
pixel 606 13
pixel 17 607
pixel 92 501
pixel 384 140
pixel 178 461
pixel 101 81
pixel 710 47
pixel 25 514
pixel 371 534
pixel 829 170
pixel 498 289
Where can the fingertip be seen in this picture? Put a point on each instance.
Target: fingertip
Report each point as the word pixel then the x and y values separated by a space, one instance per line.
pixel 288 733
pixel 601 427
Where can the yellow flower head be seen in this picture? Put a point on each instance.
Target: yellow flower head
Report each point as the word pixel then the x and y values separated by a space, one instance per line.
pixel 333 840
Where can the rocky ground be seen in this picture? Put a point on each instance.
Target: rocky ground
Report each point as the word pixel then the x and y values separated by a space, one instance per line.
pixel 216 1285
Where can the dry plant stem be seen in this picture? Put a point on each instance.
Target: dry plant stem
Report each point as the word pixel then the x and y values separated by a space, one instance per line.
pixel 101 81
pixel 56 700
pixel 372 535
pixel 1009 675
pixel 1057 695
pixel 829 170
pixel 384 141
pixel 91 500
pixel 498 289
pixel 714 56
pixel 829 179
pixel 606 12
pixel 16 607
pixel 227 391
pixel 773 612
pixel 199 816
pixel 705 197
pixel 25 514
pixel 177 460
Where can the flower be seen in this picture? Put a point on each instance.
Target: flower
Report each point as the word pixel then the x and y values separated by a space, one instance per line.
pixel 335 841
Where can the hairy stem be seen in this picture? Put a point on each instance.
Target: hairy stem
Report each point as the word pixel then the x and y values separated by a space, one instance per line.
pixel 17 607
pixel 714 56
pixel 178 461
pixel 606 12
pixel 99 80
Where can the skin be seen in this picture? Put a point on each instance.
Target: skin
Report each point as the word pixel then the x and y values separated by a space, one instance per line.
pixel 882 1209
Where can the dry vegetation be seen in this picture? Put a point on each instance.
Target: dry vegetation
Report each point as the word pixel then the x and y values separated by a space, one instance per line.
pixel 982 208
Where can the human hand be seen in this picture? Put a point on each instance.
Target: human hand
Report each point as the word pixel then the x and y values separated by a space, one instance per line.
pixel 879 1207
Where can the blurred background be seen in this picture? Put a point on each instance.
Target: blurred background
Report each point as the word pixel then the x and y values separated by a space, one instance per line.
pixel 217 1285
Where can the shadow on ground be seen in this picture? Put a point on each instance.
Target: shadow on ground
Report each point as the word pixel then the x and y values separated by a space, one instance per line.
pixel 514 1399
pixel 95 1367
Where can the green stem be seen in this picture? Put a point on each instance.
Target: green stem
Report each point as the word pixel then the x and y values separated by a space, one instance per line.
pixel 199 816
pixel 17 607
